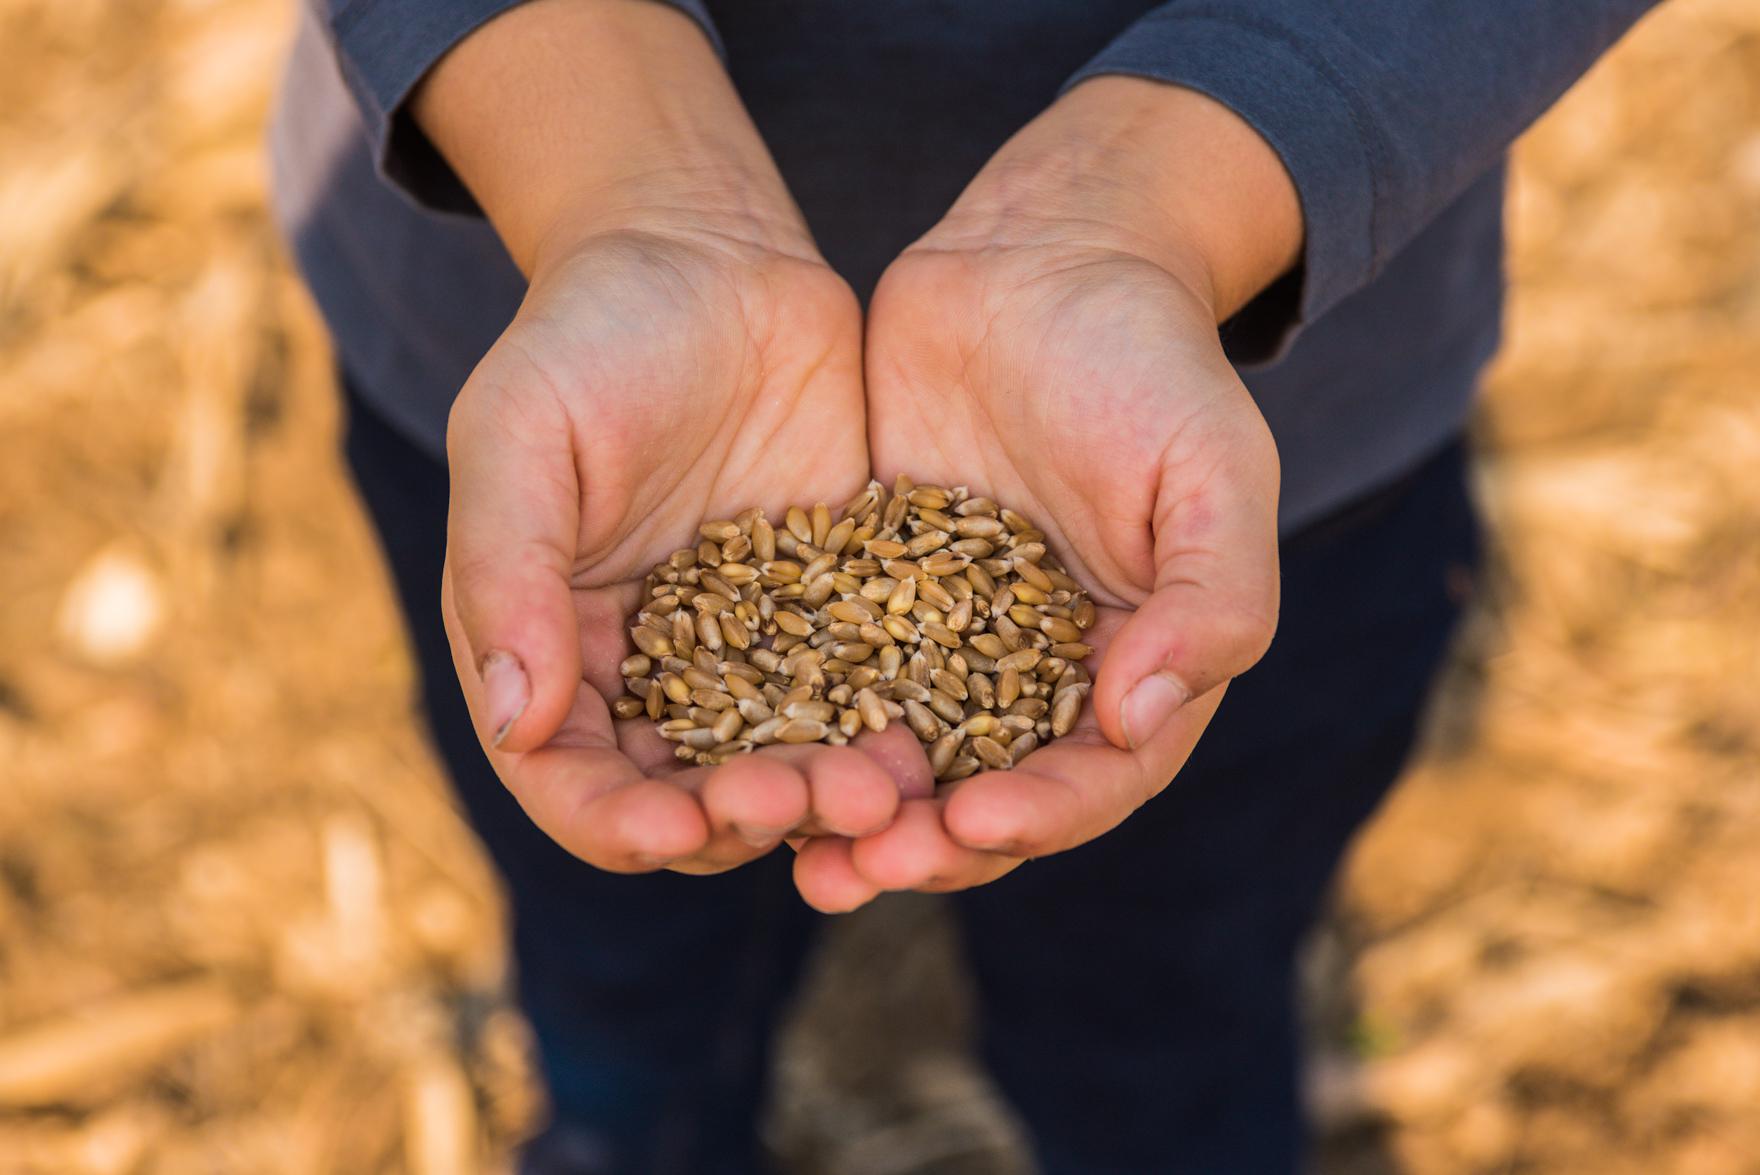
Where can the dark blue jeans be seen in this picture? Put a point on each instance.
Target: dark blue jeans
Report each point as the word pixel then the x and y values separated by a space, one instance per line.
pixel 1136 995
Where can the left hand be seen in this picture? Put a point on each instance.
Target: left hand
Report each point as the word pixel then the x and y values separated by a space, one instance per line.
pixel 1046 348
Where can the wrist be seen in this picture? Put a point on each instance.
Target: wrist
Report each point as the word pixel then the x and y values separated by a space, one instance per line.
pixel 569 119
pixel 1127 165
pixel 701 202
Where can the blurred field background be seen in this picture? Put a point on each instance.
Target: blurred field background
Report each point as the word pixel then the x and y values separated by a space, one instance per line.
pixel 242 930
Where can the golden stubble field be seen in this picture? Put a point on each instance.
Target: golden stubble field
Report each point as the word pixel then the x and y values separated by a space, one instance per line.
pixel 241 929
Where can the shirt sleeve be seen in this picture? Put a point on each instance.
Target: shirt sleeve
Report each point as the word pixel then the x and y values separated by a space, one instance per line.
pixel 386 47
pixel 1383 111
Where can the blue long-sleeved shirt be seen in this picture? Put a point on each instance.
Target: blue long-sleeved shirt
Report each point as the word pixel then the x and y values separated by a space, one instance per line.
pixel 1392 117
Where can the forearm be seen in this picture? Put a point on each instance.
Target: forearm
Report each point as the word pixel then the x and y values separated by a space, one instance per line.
pixel 1384 111
pixel 569 117
pixel 1131 165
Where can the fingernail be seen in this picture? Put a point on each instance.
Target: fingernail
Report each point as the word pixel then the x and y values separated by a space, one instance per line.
pixel 758 837
pixel 505 691
pixel 1148 707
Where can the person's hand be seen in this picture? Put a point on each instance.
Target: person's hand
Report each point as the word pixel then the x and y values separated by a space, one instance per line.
pixel 649 383
pixel 682 353
pixel 1053 344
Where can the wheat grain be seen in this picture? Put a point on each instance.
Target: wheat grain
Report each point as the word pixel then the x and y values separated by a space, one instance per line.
pixel 919 604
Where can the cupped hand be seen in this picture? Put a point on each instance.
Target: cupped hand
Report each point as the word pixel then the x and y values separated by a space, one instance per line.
pixel 651 381
pixel 1059 370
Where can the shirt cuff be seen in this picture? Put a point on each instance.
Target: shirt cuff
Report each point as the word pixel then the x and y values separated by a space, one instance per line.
pixel 386 47
pixel 1306 111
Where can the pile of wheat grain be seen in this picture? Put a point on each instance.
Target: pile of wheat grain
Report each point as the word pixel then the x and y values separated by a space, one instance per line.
pixel 960 623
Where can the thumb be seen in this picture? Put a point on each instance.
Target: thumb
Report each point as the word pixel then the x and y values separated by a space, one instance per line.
pixel 511 533
pixel 1210 617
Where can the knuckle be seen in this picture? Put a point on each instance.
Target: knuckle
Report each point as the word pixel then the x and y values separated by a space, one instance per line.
pixel 1245 635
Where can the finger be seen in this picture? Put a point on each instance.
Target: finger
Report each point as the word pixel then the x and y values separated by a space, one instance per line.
pixel 723 853
pixel 511 533
pixel 750 803
pixel 901 756
pixel 585 802
pixel 561 784
pixel 753 799
pixel 915 852
pixel 849 794
pixel 1214 608
pixel 1077 788
pixel 852 794
pixel 827 879
pixel 974 870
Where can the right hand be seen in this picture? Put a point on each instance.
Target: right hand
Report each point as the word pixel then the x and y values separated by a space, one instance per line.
pixel 682 353
pixel 651 380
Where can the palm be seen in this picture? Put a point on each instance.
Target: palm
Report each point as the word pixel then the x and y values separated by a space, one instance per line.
pixel 1074 385
pixel 694 384
pixel 645 387
pixel 963 402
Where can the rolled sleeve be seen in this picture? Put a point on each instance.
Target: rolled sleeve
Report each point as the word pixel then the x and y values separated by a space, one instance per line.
pixel 1298 104
pixel 1383 112
pixel 386 47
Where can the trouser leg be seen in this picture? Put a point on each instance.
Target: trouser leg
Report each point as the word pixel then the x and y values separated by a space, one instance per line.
pixel 653 998
pixel 1137 995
